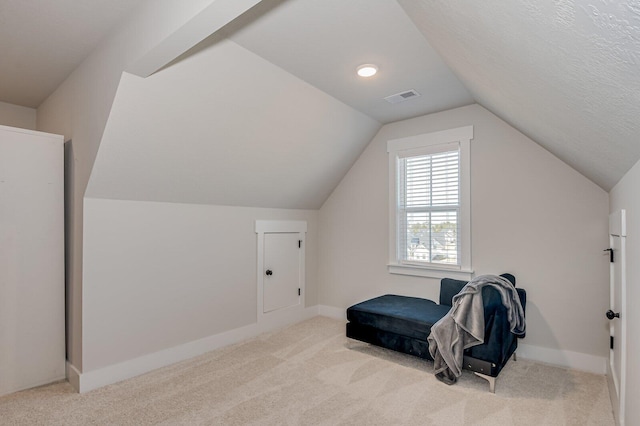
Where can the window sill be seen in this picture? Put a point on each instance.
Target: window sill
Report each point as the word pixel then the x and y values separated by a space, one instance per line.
pixel 430 272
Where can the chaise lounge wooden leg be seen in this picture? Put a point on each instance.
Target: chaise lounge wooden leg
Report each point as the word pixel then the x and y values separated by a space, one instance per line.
pixel 491 380
pixel 515 358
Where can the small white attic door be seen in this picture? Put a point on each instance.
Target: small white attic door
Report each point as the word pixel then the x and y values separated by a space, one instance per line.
pixel 280 271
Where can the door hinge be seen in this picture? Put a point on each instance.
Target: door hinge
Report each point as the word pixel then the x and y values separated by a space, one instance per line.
pixel 610 250
pixel 298 292
pixel 299 243
pixel 610 342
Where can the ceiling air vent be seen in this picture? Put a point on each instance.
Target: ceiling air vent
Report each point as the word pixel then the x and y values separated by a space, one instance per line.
pixel 402 96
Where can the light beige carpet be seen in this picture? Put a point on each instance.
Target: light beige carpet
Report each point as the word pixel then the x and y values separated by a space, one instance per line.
pixel 310 374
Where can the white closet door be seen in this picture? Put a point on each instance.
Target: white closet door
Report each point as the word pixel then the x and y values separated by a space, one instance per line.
pixel 32 342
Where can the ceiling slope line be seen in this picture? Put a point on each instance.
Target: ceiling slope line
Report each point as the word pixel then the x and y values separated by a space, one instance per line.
pixel 200 26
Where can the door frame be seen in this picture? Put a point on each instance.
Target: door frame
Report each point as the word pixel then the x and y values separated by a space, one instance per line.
pixel 617 391
pixel 263 227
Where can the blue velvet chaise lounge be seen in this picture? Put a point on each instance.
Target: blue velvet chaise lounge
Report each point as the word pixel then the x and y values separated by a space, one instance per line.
pixel 403 323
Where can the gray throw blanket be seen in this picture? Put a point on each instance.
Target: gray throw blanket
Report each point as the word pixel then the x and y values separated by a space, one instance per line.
pixel 463 326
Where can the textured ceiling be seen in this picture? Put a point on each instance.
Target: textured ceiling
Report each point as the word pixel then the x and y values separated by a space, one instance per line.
pixel 566 73
pixel 43 41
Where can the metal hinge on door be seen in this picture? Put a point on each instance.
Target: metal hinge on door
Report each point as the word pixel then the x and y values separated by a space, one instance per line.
pixel 610 342
pixel 298 292
pixel 299 243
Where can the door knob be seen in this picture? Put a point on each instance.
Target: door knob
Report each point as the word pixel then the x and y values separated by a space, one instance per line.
pixel 269 272
pixel 611 315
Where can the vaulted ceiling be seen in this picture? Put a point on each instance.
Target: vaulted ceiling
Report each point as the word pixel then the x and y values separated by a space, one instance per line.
pixel 565 73
pixel 323 42
pixel 42 42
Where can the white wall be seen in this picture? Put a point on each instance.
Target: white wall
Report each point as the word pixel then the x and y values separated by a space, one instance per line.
pixel 532 215
pixel 223 114
pixel 164 263
pixel 162 275
pixel 17 116
pixel 79 109
pixel 625 195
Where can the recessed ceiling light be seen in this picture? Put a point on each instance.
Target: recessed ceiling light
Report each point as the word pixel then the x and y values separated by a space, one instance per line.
pixel 367 70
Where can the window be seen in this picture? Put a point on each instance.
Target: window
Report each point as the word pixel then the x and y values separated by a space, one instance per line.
pixel 429 204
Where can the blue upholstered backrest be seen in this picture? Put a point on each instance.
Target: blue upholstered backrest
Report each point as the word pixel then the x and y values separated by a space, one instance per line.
pixel 450 287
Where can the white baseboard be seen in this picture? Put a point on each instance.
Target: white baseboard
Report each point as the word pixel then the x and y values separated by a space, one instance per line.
pixel 332 312
pixel 87 381
pixel 568 359
pixel 73 375
pixel 90 380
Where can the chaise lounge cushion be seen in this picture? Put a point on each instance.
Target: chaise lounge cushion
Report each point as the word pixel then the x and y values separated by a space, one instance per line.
pixel 408 316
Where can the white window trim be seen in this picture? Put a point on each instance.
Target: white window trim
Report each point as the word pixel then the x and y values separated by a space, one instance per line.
pixel 397 148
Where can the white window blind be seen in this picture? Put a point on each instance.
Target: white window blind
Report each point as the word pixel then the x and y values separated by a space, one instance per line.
pixel 428 208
